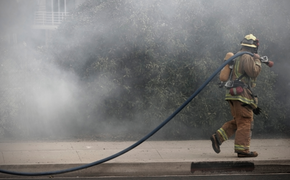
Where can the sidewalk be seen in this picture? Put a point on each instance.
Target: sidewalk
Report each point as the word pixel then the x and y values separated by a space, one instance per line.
pixel 149 158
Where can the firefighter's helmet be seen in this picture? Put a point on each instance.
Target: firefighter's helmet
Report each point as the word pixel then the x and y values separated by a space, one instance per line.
pixel 250 41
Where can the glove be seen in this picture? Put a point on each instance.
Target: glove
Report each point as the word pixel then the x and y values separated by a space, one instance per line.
pixel 257 111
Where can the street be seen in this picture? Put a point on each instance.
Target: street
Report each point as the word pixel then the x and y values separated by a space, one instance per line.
pixel 179 177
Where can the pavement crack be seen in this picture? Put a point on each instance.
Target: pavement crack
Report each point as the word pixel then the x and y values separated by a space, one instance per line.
pixel 79 156
pixel 159 154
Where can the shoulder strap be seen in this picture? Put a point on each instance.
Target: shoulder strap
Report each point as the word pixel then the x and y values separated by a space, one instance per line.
pixel 239 78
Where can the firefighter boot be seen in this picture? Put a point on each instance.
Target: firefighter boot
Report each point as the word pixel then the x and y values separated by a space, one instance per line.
pixel 215 143
pixel 247 154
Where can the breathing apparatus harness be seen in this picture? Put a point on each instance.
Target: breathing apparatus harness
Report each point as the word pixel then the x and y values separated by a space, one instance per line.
pixel 236 87
pixel 233 85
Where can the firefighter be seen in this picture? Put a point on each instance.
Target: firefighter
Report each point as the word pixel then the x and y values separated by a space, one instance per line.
pixel 242 101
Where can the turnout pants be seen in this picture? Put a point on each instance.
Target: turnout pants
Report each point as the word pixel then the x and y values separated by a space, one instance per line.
pixel 241 124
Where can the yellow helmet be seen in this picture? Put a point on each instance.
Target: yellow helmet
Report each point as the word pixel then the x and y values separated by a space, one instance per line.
pixel 250 41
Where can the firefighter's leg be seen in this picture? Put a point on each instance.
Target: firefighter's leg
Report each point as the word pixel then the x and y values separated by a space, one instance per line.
pixel 244 120
pixel 226 131
pixel 230 127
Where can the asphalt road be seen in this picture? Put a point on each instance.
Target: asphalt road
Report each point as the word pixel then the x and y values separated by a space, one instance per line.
pixel 213 177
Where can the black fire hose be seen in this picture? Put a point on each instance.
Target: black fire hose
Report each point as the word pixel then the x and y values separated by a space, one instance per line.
pixel 136 143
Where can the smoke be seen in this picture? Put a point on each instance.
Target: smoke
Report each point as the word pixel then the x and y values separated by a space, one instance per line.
pixel 45 97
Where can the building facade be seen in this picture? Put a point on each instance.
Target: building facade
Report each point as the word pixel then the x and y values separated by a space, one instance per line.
pixel 50 14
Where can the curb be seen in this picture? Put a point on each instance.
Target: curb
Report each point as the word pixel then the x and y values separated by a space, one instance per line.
pixel 146 169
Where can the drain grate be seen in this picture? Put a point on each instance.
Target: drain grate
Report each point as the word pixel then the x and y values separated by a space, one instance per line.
pixel 222 166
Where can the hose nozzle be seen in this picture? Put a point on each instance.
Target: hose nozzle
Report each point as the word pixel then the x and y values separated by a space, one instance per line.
pixel 264 59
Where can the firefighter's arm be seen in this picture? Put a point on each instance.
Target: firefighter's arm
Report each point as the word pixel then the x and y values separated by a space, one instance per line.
pixel 252 65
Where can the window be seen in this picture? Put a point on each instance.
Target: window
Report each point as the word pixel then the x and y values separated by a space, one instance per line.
pixel 60 5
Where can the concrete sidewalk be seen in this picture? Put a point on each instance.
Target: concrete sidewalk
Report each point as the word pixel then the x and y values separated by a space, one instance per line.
pixel 149 158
